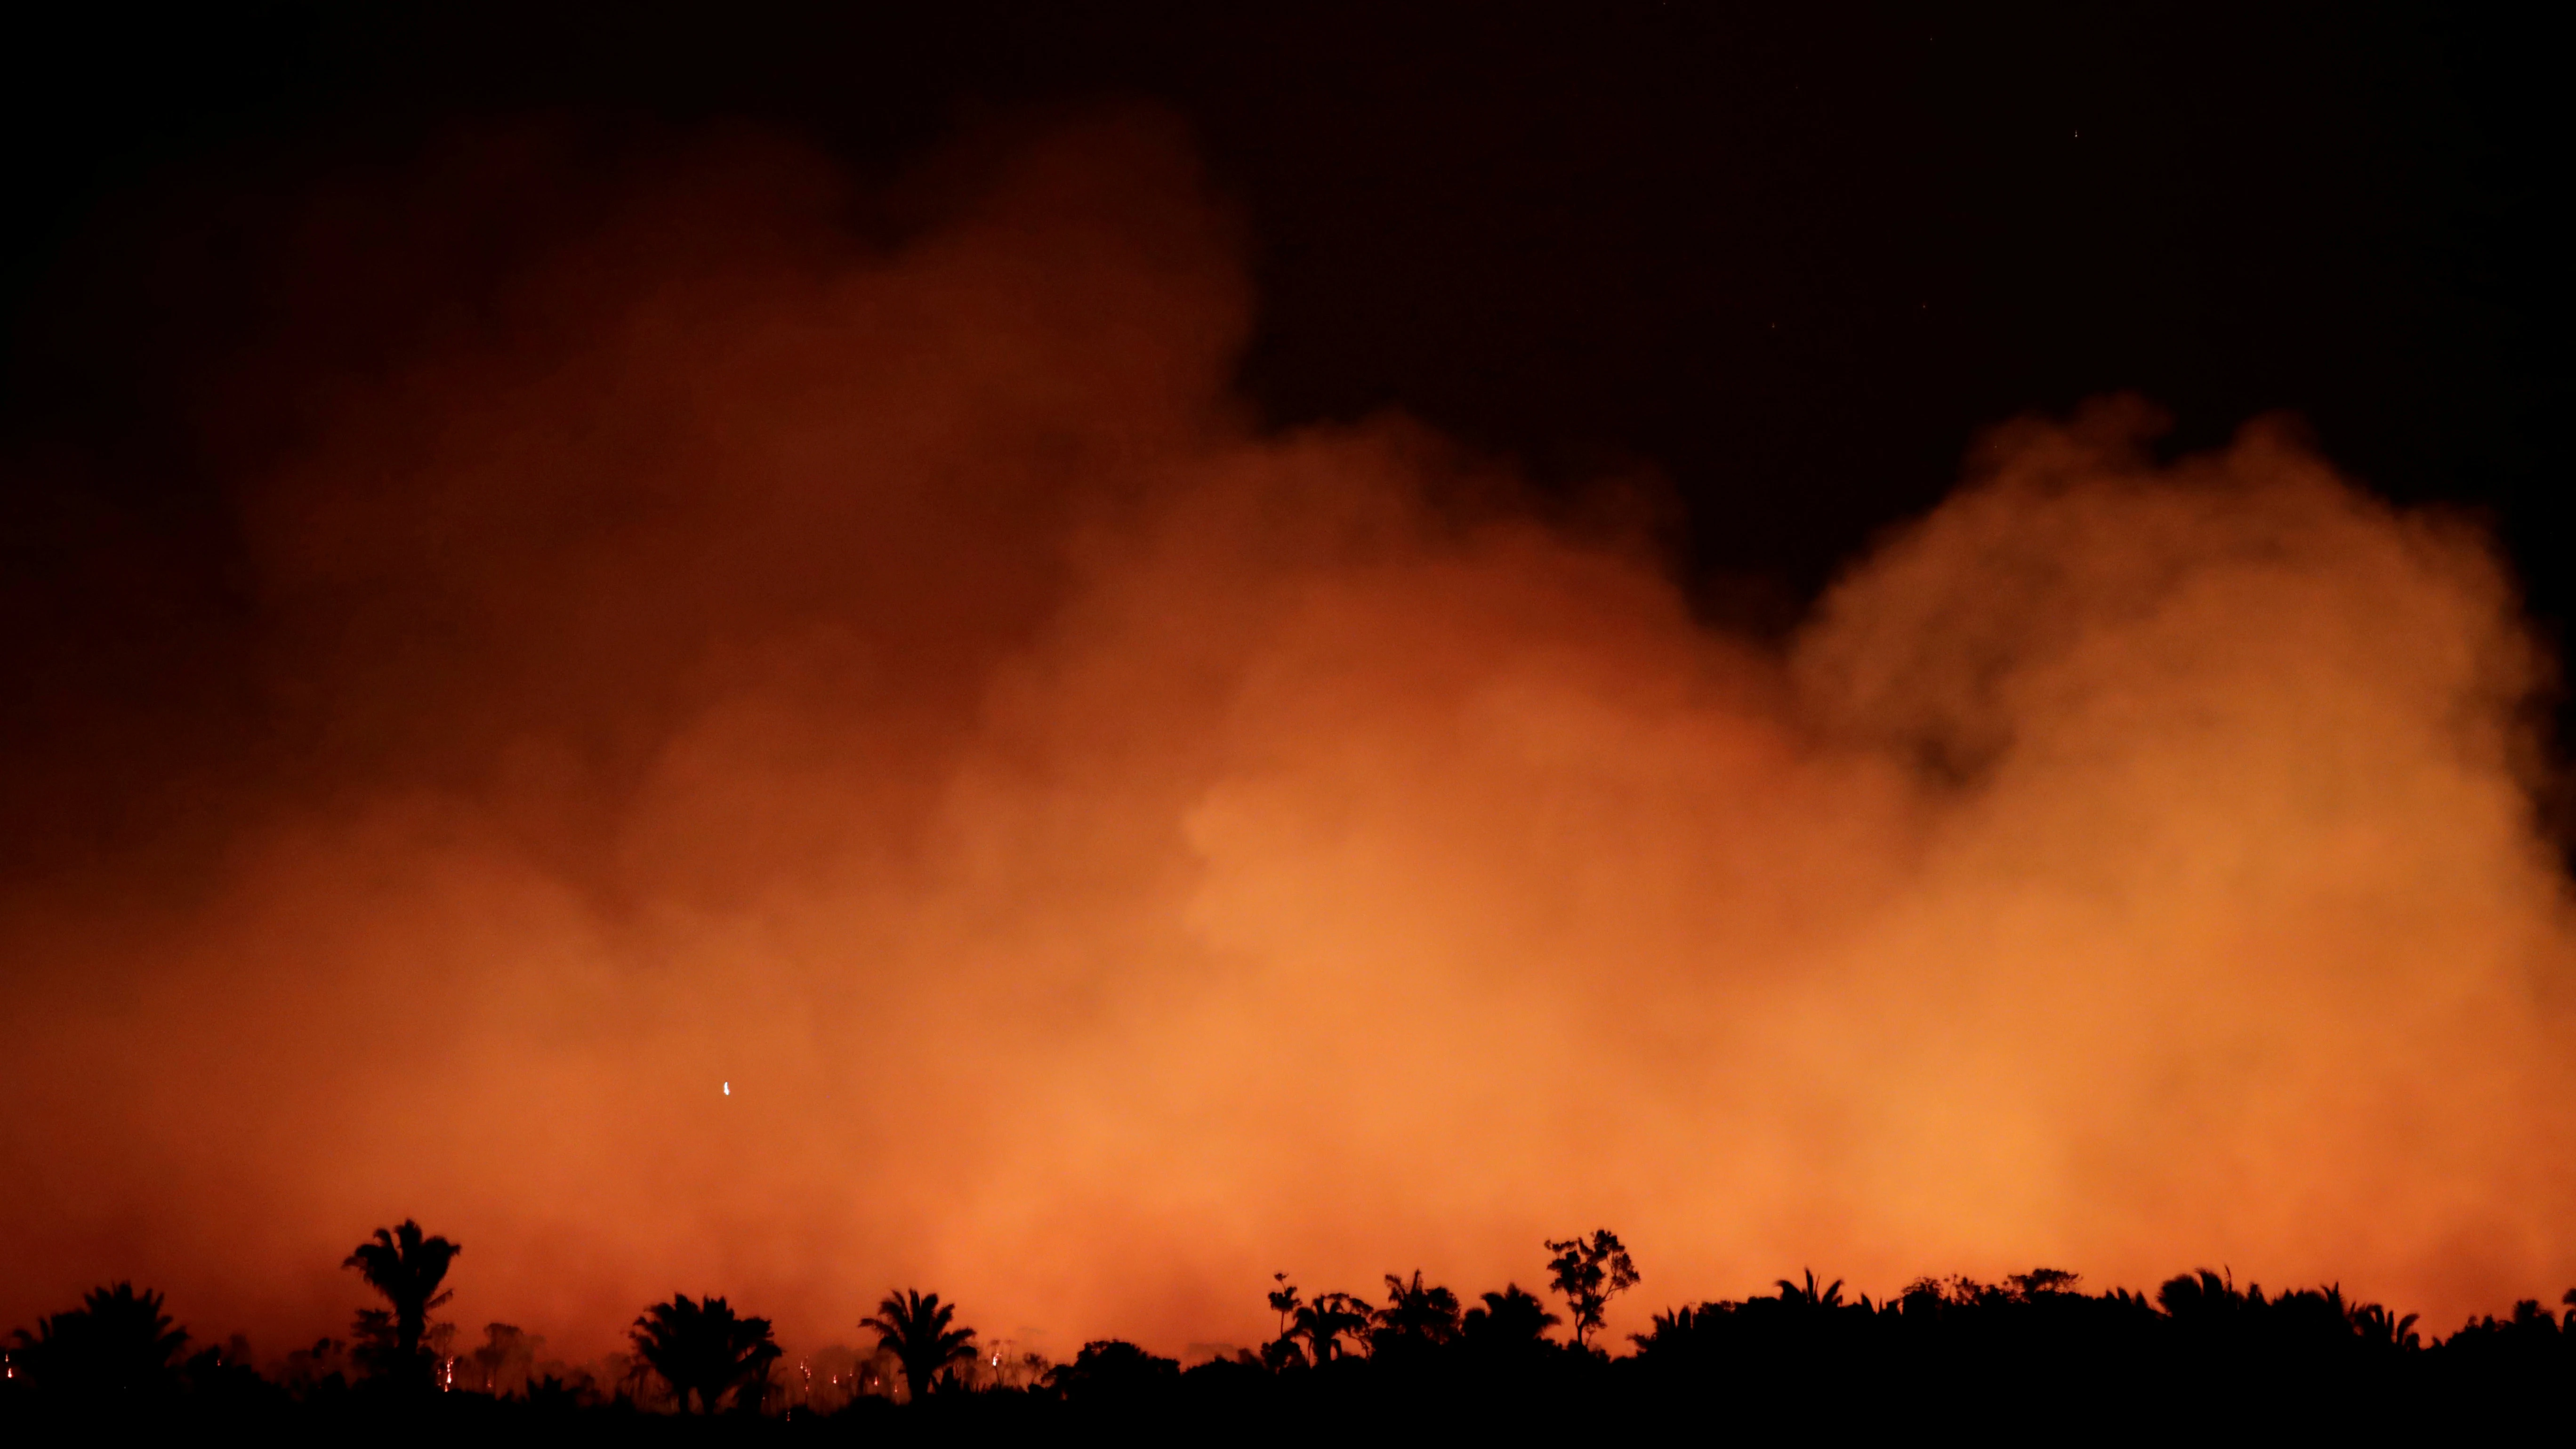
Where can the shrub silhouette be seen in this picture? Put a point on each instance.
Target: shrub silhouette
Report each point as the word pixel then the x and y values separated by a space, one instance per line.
pixel 1113 1371
pixel 914 1327
pixel 702 1348
pixel 1676 1331
pixel 118 1345
pixel 1511 1323
pixel 406 1268
pixel 549 1394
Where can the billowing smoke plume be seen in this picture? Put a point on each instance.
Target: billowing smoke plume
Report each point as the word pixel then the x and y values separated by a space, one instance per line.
pixel 858 651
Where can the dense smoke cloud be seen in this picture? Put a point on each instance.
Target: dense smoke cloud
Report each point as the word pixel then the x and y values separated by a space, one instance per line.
pixel 857 650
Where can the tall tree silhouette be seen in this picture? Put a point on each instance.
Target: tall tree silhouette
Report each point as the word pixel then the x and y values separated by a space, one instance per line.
pixel 1282 1352
pixel 118 1345
pixel 505 1357
pixel 705 1349
pixel 914 1327
pixel 1416 1315
pixel 406 1268
pixel 1586 1272
pixel 1325 1322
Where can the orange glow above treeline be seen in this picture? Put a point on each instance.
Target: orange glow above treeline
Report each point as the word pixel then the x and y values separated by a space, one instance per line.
pixel 831 765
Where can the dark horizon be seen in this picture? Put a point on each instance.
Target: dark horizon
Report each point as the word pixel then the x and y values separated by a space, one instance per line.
pixel 2035 1344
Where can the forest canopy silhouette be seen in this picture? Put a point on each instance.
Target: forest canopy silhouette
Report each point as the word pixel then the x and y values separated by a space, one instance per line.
pixel 787 737
pixel 2030 1349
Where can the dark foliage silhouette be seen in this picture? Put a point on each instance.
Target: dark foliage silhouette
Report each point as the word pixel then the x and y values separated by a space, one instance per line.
pixel 2035 1349
pixel 704 1349
pixel 407 1269
pixel 2204 1299
pixel 1417 1317
pixel 2384 1330
pixel 2032 1284
pixel 1673 1328
pixel 376 1349
pixel 1113 1371
pixel 1324 1323
pixel 118 1345
pixel 503 1359
pixel 1808 1295
pixel 914 1327
pixel 1587 1273
pixel 550 1394
pixel 1512 1322
pixel 224 1377
pixel 1284 1351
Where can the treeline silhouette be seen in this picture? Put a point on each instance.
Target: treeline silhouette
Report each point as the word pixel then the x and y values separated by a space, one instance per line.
pixel 2032 1353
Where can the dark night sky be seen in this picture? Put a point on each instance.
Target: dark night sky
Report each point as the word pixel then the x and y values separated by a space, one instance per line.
pixel 1795 259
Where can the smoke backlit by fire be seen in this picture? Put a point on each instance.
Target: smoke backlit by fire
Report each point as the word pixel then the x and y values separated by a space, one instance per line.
pixel 1109 851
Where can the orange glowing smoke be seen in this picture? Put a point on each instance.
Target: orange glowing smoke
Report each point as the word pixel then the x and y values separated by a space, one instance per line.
pixel 1112 852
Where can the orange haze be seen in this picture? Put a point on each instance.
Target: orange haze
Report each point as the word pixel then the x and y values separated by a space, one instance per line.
pixel 1114 852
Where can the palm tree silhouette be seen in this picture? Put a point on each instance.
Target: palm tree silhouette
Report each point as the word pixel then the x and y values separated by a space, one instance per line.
pixel 1324 1322
pixel 1415 1314
pixel 913 1326
pixel 407 1269
pixel 1810 1296
pixel 703 1348
pixel 1675 1329
pixel 117 1344
pixel 2204 1298
pixel 1284 1301
pixel 2380 1328
pixel 1282 1352
pixel 1512 1321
